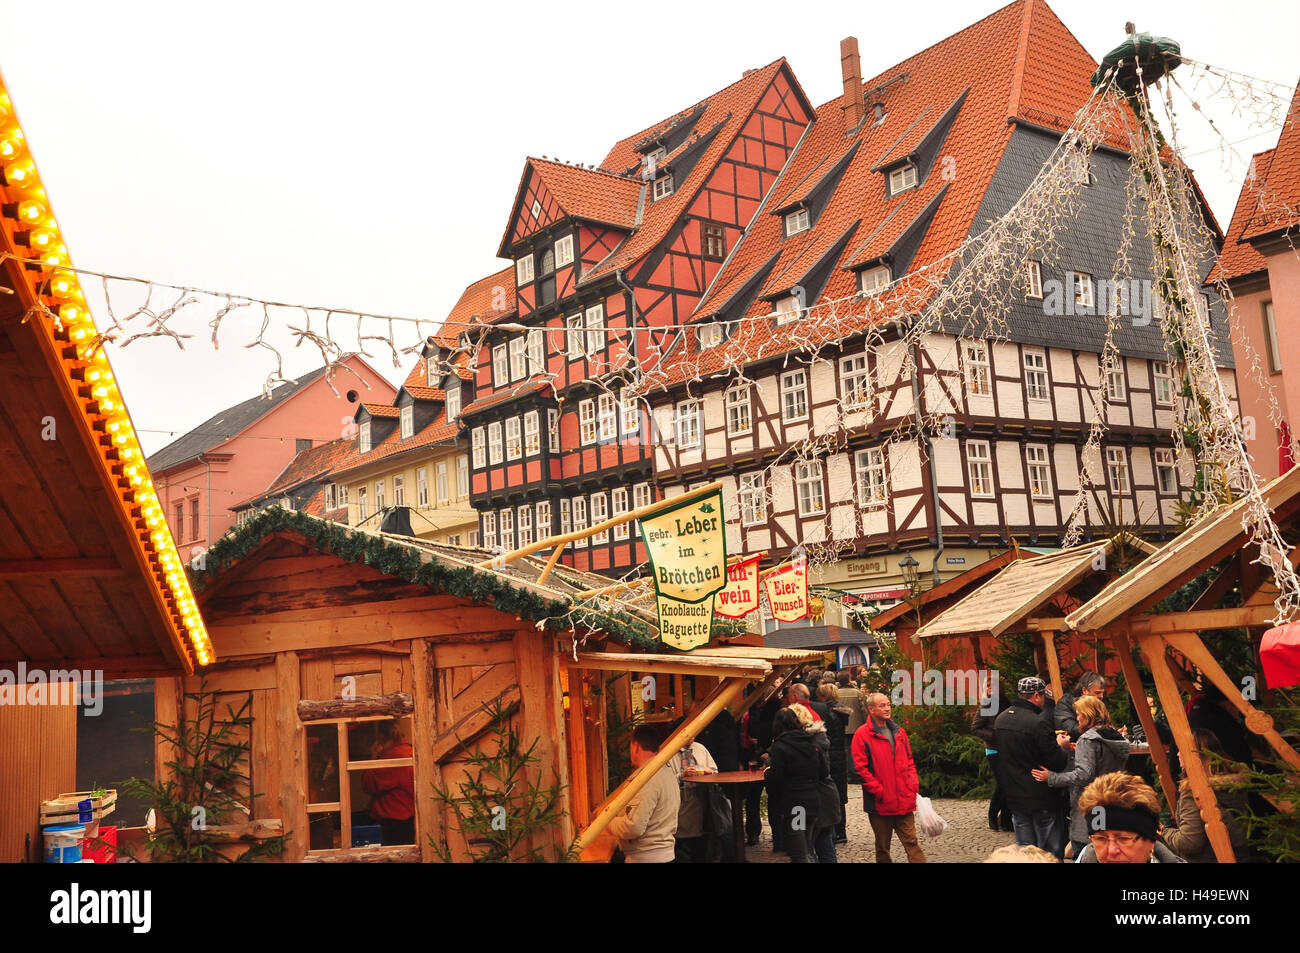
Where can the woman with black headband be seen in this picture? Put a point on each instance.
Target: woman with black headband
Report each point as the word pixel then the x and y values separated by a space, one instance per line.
pixel 1122 814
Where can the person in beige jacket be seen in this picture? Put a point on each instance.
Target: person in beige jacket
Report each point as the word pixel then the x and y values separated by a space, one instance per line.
pixel 647 828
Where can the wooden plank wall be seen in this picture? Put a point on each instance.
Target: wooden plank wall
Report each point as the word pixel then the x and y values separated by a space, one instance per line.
pixel 40 762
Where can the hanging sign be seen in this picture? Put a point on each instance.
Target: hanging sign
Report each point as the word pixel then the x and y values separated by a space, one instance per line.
pixel 787 592
pixel 687 548
pixel 740 596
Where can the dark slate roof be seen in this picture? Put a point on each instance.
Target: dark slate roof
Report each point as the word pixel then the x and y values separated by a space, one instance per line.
pixel 817 637
pixel 221 427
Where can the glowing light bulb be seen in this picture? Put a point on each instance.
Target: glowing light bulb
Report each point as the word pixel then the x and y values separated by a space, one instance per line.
pixel 64 285
pixel 33 212
pixel 42 239
pixel 11 146
pixel 21 174
pixel 56 258
pixel 73 312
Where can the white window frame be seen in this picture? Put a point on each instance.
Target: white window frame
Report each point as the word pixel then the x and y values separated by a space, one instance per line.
pixel 903 178
pixel 979 371
pixel 430 373
pixel 514 445
pixel 979 469
pixel 874 280
pixel 406 420
pixel 518 357
pixel 524 269
pixel 1034 279
pixel 629 412
pixel 500 365
pixel 1115 387
pixel 532 434
pixel 1270 340
pixel 489 531
pixel 686 423
pixel 525 524
pixel 422 486
pixel 709 335
pixel 751 495
pixel 544 528
pixel 506 526
pixel 618 507
pixel 794 396
pixel 786 309
pixel 740 415
pixel 1083 289
pixel 587 421
pixel 1117 470
pixel 1162 376
pixel 564 251
pixel 855 382
pixel 553 429
pixel 462 476
pixel 399 489
pixel 471 539
pixel 809 488
pixel 362 508
pixel 797 221
pixel 1038 385
pixel 441 491
pixel 580 519
pixel 599 514
pixel 606 417
pixel 871 478
pixel 595 323
pixel 641 497
pixel 574 332
pixel 663 186
pixel 478 447
pixel 1038 465
pixel 495 455
pixel 566 520
pixel 453 400
pixel 1165 463
pixel 343 494
pixel 380 496
pixel 330 497
pixel 536 348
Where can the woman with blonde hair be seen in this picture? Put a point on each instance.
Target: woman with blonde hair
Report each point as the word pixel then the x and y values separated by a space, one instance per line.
pixel 1100 750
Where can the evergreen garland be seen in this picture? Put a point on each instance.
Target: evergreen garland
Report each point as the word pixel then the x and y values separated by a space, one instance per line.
pixel 423 568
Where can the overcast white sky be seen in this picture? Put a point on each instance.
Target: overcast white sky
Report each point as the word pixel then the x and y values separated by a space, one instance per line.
pixel 364 156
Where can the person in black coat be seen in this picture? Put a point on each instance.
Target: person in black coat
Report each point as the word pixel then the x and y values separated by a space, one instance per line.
pixel 982 728
pixel 837 722
pixel 760 730
pixel 796 768
pixel 1024 741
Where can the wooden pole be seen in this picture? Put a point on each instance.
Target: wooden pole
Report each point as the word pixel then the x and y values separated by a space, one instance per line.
pixel 550 564
pixel 1153 647
pixel 1053 663
pixel 561 541
pixel 1124 649
pixel 622 796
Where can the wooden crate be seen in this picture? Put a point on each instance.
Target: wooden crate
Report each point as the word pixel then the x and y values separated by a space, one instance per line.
pixel 63 809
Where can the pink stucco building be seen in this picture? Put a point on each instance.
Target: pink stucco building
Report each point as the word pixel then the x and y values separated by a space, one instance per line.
pixel 239 451
pixel 1261 264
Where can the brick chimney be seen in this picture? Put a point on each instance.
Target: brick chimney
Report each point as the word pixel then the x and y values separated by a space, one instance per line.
pixel 854 106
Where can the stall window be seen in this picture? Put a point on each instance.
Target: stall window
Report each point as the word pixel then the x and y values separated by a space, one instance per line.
pixel 360 783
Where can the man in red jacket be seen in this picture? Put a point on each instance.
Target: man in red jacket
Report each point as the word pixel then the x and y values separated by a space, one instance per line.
pixel 883 756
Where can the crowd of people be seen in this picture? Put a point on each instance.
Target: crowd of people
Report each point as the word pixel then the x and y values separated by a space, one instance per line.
pixel 1061 771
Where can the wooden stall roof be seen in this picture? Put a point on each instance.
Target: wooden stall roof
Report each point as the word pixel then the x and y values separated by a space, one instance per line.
pixel 444 568
pixel 946 591
pixel 1019 589
pixel 776 657
pixel 89 574
pixel 1193 551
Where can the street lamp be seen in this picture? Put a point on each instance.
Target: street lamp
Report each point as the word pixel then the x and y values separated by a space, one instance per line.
pixel 909 566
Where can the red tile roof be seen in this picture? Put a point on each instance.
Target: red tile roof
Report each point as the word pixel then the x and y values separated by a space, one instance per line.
pixel 1239 258
pixel 1019 62
pixel 439 431
pixel 382 410
pixel 421 392
pixel 486 300
pixel 1278 190
pixel 507 393
pixel 306 466
pixel 592 194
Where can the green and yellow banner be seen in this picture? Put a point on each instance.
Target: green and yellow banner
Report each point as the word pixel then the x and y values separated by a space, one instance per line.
pixel 687 548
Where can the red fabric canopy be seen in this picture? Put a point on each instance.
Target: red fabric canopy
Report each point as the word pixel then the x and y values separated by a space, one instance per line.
pixel 1279 653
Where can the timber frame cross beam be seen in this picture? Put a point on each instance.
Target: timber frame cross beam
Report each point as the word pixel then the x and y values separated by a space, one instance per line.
pixel 558 543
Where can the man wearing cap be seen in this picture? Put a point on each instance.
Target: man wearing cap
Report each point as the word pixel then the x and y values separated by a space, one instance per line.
pixel 1122 815
pixel 1024 740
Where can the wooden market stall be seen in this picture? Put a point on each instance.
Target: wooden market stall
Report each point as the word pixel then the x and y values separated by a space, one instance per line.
pixel 90 581
pixel 1124 614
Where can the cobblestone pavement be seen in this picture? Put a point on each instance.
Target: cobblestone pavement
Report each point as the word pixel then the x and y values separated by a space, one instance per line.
pixel 967 839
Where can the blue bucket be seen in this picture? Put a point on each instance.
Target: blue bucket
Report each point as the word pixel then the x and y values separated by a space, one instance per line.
pixel 63 843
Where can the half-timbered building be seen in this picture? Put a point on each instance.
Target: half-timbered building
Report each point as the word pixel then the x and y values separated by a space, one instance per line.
pixel 605 263
pixel 834 443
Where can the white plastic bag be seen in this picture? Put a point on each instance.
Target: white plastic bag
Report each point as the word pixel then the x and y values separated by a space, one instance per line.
pixel 928 818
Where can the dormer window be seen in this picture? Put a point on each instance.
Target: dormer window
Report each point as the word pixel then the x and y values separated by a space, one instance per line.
pixel 902 179
pixel 710 335
pixel 363 438
pixel 431 372
pixel 873 280
pixel 787 309
pixel 453 401
pixel 650 164
pixel 407 416
pixel 797 221
pixel 524 269
pixel 663 187
pixel 1079 171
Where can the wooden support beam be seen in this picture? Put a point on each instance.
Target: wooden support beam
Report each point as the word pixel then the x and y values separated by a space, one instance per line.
pixel 396 704
pixel 1259 722
pixel 293 743
pixel 263 828
pixel 1053 662
pixel 379 855
pixel 1159 755
pixel 33 568
pixel 672 664
pixel 463 732
pixel 1153 647
pixel 428 814
pixel 718 699
pixel 550 564
pixel 604 526
pixel 1196 620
